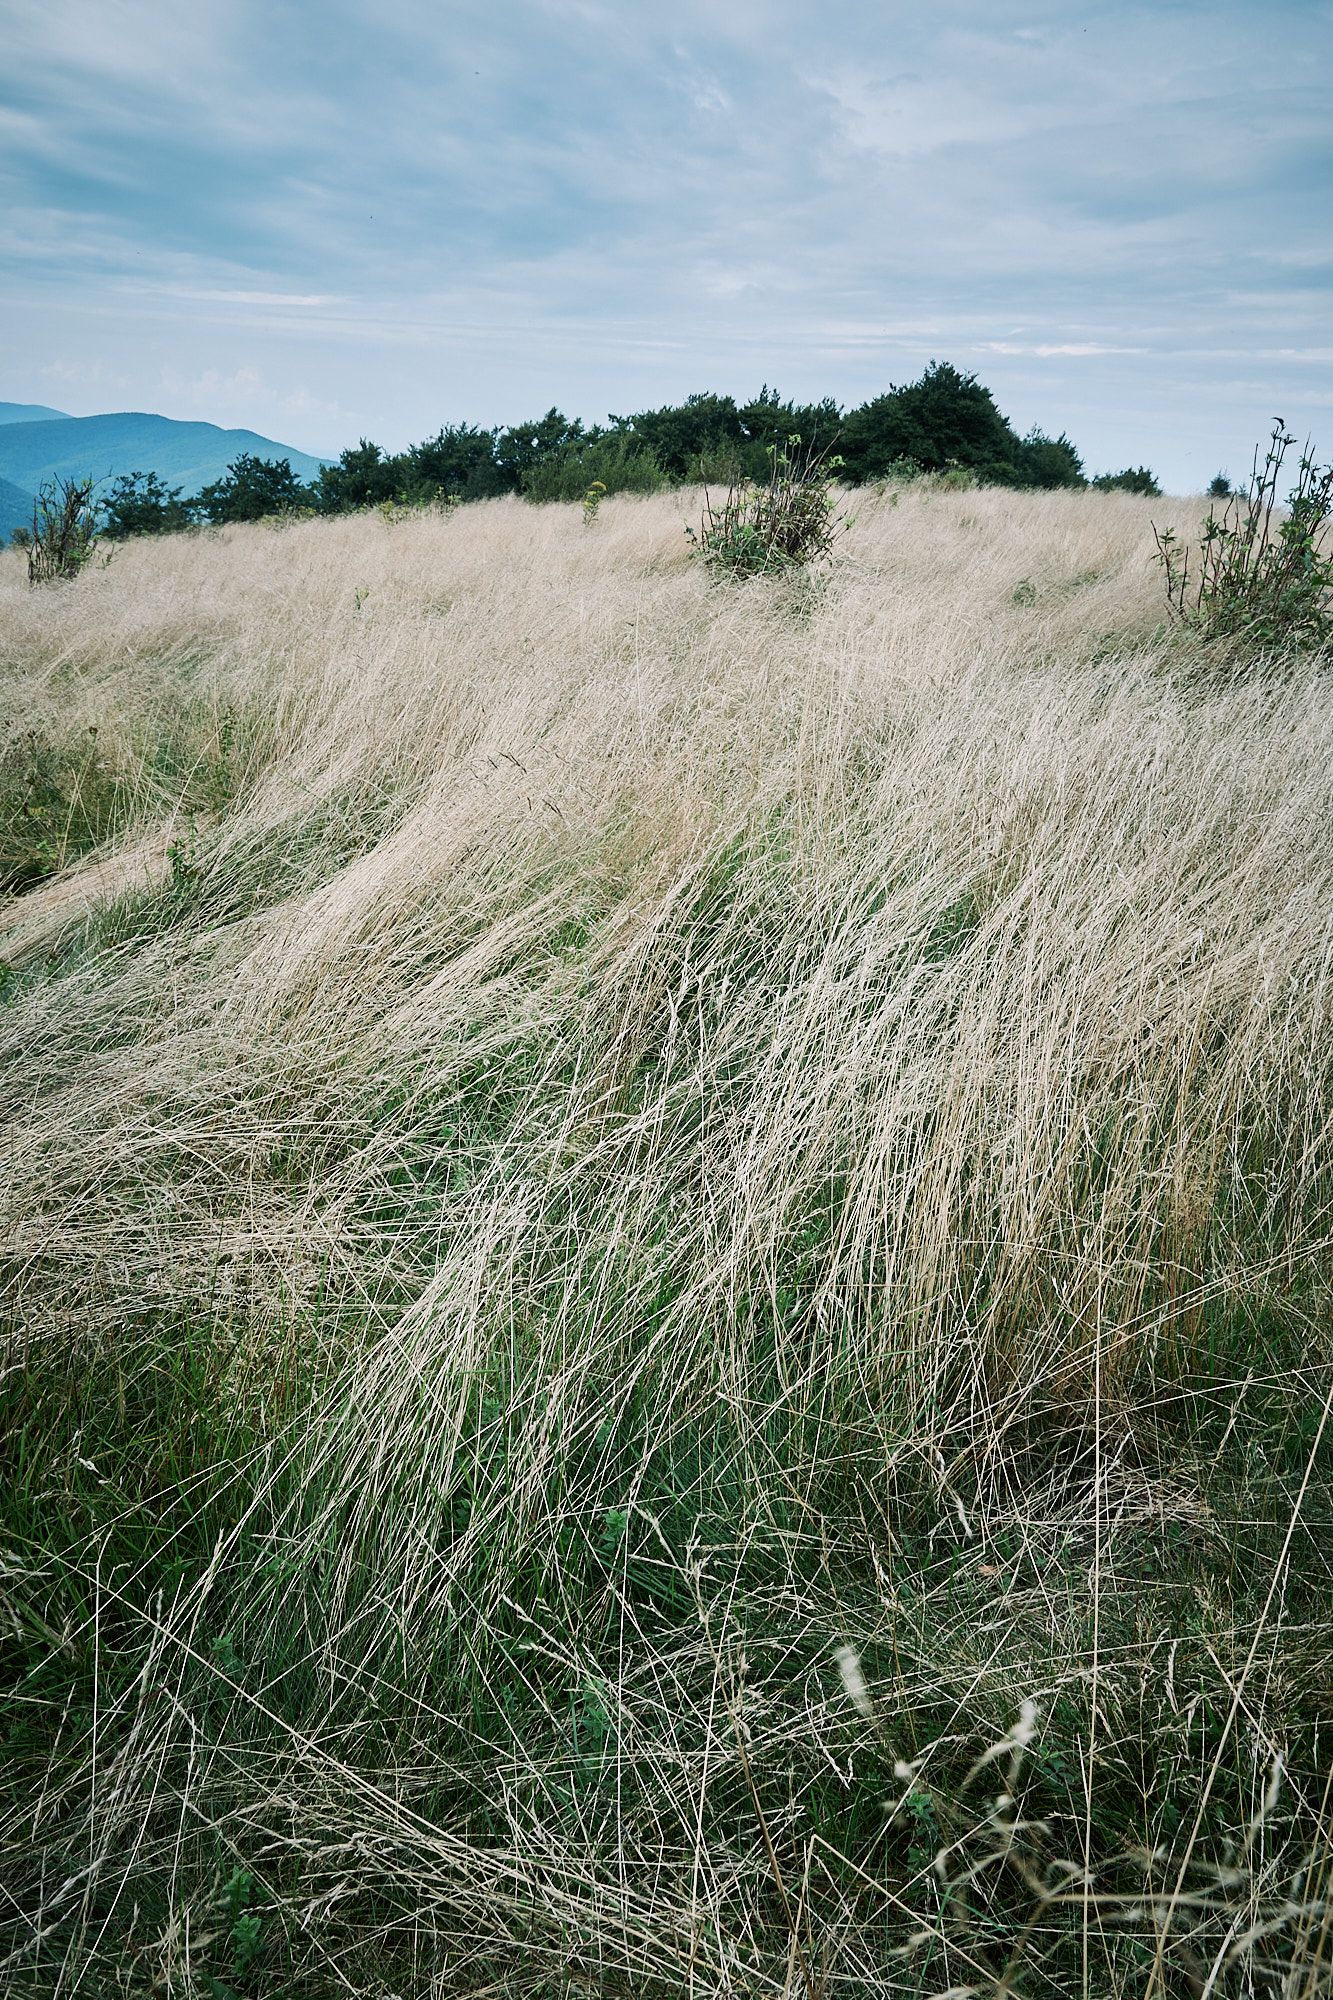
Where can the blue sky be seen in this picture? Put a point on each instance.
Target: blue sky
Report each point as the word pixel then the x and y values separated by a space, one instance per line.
pixel 322 220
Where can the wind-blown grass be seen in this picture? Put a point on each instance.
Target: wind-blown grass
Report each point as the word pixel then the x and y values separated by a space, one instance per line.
pixel 633 1212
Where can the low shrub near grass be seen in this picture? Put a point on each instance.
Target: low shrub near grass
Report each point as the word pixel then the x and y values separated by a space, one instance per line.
pixel 788 522
pixel 64 530
pixel 1261 573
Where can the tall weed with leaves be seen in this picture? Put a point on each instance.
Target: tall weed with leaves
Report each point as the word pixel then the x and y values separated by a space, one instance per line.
pixel 1260 574
pixel 64 530
pixel 788 522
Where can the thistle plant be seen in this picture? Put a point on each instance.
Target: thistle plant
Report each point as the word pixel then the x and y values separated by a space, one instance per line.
pixel 786 523
pixel 1260 573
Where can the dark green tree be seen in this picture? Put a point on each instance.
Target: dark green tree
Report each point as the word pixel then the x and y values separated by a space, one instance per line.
pixel 1134 479
pixel 519 450
pixel 768 420
pixel 613 460
pixel 685 437
pixel 944 419
pixel 140 504
pixel 459 459
pixel 364 476
pixel 253 488
pixel 1050 462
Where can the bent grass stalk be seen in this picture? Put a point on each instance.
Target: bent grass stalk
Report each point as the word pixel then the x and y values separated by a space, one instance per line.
pixel 566 1128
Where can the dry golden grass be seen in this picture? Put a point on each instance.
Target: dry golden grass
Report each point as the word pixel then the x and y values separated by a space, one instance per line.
pixel 586 1139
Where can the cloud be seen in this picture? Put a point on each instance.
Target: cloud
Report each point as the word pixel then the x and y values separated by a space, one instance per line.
pixel 523 201
pixel 1044 348
pixel 221 296
pixel 86 375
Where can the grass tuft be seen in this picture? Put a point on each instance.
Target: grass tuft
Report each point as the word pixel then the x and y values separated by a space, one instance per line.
pixel 664 1270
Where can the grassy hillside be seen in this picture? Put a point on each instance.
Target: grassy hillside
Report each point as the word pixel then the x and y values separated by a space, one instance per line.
pixel 187 455
pixel 666 1268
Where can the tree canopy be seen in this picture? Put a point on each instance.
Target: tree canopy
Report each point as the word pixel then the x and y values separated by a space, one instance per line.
pixel 944 421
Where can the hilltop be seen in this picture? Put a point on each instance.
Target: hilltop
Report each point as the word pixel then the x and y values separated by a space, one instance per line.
pixel 28 413
pixel 188 455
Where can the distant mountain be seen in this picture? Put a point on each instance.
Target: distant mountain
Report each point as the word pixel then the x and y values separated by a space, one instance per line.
pixel 181 454
pixel 15 510
pixel 27 413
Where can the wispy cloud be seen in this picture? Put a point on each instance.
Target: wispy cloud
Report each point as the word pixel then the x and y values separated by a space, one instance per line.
pixel 222 296
pixel 1044 348
pixel 522 201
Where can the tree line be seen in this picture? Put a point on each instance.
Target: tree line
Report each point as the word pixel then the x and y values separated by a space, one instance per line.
pixel 945 422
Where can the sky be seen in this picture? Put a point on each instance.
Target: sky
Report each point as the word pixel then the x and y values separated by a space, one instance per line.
pixel 322 219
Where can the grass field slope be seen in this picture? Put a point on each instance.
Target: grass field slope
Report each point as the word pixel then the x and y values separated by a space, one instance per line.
pixel 665 1268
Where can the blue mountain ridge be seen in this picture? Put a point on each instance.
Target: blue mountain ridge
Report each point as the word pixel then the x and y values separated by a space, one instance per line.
pixel 27 413
pixel 188 455
pixel 15 509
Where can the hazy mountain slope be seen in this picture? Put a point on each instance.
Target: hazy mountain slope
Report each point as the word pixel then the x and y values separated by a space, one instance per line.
pixel 28 413
pixel 187 455
pixel 15 509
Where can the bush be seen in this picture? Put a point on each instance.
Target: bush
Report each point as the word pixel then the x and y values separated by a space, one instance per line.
pixel 64 530
pixel 520 450
pixel 943 420
pixel 710 437
pixel 253 488
pixel 1265 580
pixel 459 460
pixel 139 504
pixel 784 524
pixel 614 462
pixel 56 802
pixel 680 436
pixel 1134 479
pixel 1050 462
pixel 365 476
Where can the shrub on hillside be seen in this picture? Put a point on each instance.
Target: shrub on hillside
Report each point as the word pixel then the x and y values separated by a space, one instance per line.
pixel 1050 462
pixel 613 462
pixel 786 523
pixel 365 476
pixel 64 530
pixel 1260 573
pixel 680 436
pixel 254 487
pixel 140 504
pixel 459 459
pixel 944 419
pixel 56 801
pixel 946 422
pixel 710 437
pixel 1133 479
pixel 521 449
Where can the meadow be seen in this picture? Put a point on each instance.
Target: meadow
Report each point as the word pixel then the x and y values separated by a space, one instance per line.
pixel 666 1298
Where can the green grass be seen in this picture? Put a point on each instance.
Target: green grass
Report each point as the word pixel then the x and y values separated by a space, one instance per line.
pixel 177 1559
pixel 567 1375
